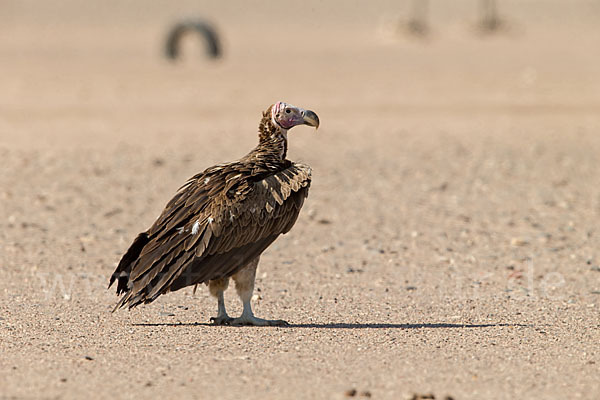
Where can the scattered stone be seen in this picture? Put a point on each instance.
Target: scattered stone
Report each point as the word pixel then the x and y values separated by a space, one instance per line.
pixel 464 218
pixel 166 314
pixel 595 268
pixel 366 393
pixel 324 221
pixel 443 186
pixel 518 242
pixel 351 270
pixel 113 212
pixel 350 393
pixel 89 358
pixel 544 238
pixel 63 379
pixel 411 288
pixel 516 274
pixel 562 182
pixel 429 396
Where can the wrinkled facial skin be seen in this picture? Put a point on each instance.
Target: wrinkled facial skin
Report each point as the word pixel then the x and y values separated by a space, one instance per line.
pixel 288 116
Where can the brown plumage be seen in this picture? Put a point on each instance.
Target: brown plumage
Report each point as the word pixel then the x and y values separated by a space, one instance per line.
pixel 219 222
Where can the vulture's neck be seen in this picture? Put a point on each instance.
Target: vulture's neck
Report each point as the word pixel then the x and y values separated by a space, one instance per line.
pixel 272 141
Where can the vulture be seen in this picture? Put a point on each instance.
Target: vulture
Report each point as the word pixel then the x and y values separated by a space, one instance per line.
pixel 220 221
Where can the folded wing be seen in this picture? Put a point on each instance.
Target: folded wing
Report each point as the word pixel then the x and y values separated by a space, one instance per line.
pixel 216 223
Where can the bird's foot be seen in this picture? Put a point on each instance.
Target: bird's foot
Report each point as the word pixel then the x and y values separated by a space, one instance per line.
pixel 221 320
pixel 253 321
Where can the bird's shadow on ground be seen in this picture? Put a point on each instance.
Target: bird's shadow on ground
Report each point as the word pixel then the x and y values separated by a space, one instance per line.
pixel 343 325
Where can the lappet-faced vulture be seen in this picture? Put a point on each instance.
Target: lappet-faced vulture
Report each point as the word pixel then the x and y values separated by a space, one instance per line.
pixel 219 222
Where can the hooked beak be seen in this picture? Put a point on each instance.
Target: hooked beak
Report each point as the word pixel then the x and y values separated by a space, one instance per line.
pixel 310 118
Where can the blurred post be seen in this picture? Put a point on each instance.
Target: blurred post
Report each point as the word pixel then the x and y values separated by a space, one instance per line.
pixel 490 21
pixel 417 24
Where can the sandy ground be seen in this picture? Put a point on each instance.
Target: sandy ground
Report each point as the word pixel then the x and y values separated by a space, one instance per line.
pixel 449 245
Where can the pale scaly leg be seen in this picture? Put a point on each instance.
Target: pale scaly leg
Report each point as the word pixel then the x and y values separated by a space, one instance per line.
pixel 244 285
pixel 216 288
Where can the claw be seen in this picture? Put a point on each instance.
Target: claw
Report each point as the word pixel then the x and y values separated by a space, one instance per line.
pixel 221 320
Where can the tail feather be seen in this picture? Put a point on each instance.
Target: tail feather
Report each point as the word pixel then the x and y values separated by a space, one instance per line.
pixel 124 268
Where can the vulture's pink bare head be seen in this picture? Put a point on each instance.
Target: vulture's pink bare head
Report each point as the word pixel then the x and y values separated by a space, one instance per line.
pixel 287 116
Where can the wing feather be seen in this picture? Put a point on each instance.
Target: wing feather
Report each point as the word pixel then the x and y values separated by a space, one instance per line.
pixel 217 222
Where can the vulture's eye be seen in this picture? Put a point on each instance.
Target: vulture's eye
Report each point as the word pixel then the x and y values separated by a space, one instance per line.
pixel 288 111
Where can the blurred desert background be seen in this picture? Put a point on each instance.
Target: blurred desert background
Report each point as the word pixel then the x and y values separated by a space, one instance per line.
pixel 450 244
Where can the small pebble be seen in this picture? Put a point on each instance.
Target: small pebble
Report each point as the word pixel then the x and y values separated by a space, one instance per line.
pixel 428 396
pixel 351 270
pixel 166 314
pixel 518 242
